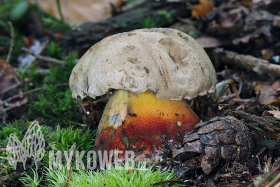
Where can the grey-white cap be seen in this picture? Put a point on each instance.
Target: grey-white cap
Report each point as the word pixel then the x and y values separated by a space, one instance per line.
pixel 166 62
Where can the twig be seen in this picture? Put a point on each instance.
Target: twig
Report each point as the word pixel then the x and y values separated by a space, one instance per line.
pixel 81 105
pixel 42 47
pixel 19 103
pixel 249 62
pixel 46 58
pixel 242 100
pixel 95 102
pixel 222 93
pixel 227 98
pixel 69 164
pixel 10 50
pixel 6 89
pixel 28 92
pixel 170 181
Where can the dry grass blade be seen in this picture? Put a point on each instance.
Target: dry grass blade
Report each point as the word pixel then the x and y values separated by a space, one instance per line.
pixel 69 165
pixel 274 181
pixel 267 177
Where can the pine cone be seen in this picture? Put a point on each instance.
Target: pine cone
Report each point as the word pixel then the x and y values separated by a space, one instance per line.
pixel 219 138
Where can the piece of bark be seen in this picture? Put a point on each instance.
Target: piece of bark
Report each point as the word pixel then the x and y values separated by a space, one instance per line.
pixel 249 62
pixel 90 33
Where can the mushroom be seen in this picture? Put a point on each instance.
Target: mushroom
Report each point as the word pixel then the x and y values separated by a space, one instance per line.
pixel 151 72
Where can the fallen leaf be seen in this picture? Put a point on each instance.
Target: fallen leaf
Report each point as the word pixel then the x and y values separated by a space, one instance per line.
pixel 257 16
pixel 247 3
pixel 275 114
pixel 266 2
pixel 203 8
pixel 7 78
pixel 276 21
pixel 267 54
pixel 222 85
pixel 245 39
pixel 77 12
pixel 208 42
pixel 268 91
pixel 229 19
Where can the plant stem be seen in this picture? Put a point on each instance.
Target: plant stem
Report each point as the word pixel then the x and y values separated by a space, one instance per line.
pixel 59 10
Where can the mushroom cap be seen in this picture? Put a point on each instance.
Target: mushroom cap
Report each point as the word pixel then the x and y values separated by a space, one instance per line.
pixel 167 62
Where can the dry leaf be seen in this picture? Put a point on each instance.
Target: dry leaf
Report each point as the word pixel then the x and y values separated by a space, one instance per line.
pixel 208 42
pixel 275 114
pixel 7 78
pixel 228 19
pixel 257 16
pixel 267 54
pixel 247 3
pixel 276 21
pixel 266 2
pixel 203 8
pixel 245 39
pixel 269 91
pixel 77 12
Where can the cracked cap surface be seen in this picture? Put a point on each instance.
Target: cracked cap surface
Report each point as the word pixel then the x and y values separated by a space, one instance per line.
pixel 166 62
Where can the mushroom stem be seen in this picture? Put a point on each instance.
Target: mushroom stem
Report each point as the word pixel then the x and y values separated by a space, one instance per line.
pixel 140 122
pixel 115 111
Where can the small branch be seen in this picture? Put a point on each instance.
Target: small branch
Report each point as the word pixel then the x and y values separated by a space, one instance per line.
pixel 42 47
pixel 222 93
pixel 45 58
pixel 14 105
pixel 6 89
pixel 10 50
pixel 81 105
pixel 28 92
pixel 249 62
pixel 227 98
pixel 170 181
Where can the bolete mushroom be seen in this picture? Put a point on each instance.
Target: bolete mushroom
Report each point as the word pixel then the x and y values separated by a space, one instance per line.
pixel 151 72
